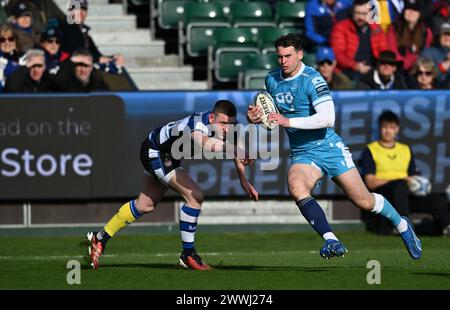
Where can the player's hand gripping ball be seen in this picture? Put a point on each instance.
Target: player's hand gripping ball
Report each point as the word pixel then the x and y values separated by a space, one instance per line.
pixel 265 102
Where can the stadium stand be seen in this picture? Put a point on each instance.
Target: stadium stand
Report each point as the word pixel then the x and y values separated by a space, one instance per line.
pixel 148 65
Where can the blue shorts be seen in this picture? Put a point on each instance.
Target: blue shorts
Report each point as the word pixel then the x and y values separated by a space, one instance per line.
pixel 332 159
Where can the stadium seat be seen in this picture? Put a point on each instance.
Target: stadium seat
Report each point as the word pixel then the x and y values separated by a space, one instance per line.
pixel 253 79
pixel 251 14
pixel 201 20
pixel 261 61
pixel 226 4
pixel 290 14
pixel 256 68
pixel 309 59
pixel 170 12
pixel 267 37
pixel 231 47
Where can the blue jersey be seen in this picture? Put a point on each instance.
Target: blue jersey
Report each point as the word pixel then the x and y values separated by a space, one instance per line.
pixel 296 97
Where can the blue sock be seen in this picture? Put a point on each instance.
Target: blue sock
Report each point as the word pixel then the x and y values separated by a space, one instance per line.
pixel 315 216
pixel 188 226
pixel 384 207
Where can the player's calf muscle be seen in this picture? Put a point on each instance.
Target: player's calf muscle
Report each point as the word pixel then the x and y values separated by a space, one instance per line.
pixel 366 203
pixel 144 204
pixel 194 199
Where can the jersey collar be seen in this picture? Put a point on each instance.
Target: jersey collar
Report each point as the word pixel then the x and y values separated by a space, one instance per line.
pixel 300 72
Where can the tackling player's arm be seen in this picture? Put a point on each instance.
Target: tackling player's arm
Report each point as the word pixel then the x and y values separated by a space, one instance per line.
pixel 211 144
pixel 240 168
pixel 241 158
pixel 245 184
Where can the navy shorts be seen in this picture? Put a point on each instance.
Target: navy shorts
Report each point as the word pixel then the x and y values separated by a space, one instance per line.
pixel 158 164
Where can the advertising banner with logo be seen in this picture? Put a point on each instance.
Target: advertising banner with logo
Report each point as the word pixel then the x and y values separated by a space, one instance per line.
pixel 88 147
pixel 60 146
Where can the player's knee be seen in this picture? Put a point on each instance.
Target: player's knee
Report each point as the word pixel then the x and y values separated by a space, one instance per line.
pixel 145 204
pixel 298 192
pixel 195 198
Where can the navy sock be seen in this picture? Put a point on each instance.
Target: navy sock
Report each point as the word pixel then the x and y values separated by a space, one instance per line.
pixel 103 236
pixel 314 214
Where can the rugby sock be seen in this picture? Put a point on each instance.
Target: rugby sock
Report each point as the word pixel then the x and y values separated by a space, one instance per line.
pixel 384 208
pixel 127 214
pixel 315 216
pixel 188 225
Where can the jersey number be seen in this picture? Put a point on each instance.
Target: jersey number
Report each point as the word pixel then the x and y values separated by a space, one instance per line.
pixel 286 98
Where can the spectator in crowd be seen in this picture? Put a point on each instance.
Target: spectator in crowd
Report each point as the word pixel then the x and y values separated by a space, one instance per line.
pixel 75 35
pixel 9 56
pixel 77 75
pixel 32 78
pixel 388 12
pixel 440 13
pixel 423 75
pixel 388 166
pixel 409 35
pixel 320 16
pixel 51 44
pixel 27 34
pixel 8 44
pixel 440 53
pixel 43 11
pixel 326 64
pixel 385 76
pixel 356 43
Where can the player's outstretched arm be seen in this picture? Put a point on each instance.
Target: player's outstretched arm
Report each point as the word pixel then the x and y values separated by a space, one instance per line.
pixel 245 184
pixel 211 144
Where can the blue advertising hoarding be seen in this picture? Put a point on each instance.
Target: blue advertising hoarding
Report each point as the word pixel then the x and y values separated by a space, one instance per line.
pixel 425 126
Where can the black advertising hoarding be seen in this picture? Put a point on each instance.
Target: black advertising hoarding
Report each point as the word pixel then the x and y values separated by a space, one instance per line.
pixel 60 147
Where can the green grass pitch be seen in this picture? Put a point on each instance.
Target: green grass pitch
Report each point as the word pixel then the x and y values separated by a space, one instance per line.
pixel 241 260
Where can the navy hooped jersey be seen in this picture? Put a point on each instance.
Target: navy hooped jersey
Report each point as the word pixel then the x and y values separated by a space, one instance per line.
pixel 163 137
pixel 296 97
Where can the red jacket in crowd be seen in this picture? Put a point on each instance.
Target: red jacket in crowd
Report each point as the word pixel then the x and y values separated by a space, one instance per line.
pixel 345 42
pixel 410 57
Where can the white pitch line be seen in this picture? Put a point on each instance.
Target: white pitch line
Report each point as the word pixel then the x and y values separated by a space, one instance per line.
pixel 61 257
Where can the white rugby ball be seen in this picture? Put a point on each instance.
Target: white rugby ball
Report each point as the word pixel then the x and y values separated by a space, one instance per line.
pixel 265 101
pixel 419 186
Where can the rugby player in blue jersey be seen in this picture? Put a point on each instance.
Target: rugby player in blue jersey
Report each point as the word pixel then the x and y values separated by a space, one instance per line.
pixel 306 111
pixel 207 130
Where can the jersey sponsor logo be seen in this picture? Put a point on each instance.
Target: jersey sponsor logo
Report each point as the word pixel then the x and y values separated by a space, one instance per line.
pixel 321 86
pixel 392 157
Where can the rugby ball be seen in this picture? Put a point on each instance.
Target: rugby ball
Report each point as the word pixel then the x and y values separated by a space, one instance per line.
pixel 265 101
pixel 419 186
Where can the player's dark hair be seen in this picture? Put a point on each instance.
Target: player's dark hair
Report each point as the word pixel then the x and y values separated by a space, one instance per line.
pixel 225 107
pixel 291 39
pixel 82 52
pixel 360 2
pixel 388 117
